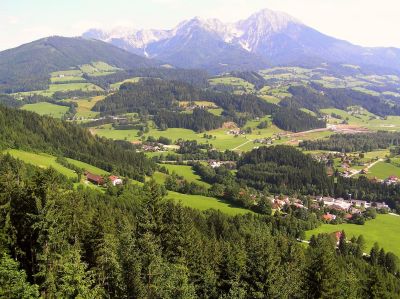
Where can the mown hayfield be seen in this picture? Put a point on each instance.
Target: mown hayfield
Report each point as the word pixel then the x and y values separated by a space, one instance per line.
pixel 62 87
pixel 382 170
pixel 41 160
pixel 205 203
pixel 187 172
pixel 44 108
pixel 85 106
pixel 88 167
pixel 233 81
pixel 384 230
pixel 98 68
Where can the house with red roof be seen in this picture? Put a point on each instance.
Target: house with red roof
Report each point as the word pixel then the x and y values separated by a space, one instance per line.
pixel 115 180
pixel 95 179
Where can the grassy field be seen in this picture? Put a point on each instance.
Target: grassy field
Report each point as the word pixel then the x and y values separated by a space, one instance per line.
pixel 84 110
pixel 205 203
pixel 42 160
pixel 366 120
pixel 382 170
pixel 384 230
pixel 62 87
pixel 194 201
pixel 187 172
pixel 44 108
pixel 98 68
pixel 118 84
pixel 235 82
pixel 88 167
pixel 222 140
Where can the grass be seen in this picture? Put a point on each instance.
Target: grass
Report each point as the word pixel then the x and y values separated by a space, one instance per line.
pixel 235 82
pixel 205 203
pixel 42 160
pixel 382 170
pixel 88 167
pixel 62 87
pixel 98 68
pixel 44 108
pixel 187 172
pixel 84 110
pixel 366 120
pixel 222 140
pixel 130 80
pixel 194 201
pixel 383 229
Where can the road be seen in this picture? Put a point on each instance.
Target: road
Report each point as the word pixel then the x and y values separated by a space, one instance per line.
pixel 243 144
pixel 368 167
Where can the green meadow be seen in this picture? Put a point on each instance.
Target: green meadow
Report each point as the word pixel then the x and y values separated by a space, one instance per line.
pixel 130 80
pixel 384 230
pixel 41 160
pixel 85 106
pixel 44 108
pixel 185 171
pixel 88 167
pixel 63 87
pixel 235 82
pixel 205 203
pixel 382 170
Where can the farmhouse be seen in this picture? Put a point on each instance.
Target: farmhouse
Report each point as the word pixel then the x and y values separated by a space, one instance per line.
pixel 95 179
pixel 215 164
pixel 115 180
pixel 100 181
pixel 329 217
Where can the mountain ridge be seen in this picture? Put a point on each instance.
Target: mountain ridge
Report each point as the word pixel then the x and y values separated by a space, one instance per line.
pixel 28 66
pixel 269 37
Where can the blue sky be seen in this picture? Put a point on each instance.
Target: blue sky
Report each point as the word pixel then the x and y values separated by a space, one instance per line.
pixel 364 22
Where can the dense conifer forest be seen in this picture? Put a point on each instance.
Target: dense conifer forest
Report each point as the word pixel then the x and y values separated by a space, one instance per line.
pixel 130 242
pixel 295 120
pixel 354 142
pixel 315 97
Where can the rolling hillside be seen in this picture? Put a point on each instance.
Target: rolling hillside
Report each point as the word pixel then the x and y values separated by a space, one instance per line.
pixel 28 67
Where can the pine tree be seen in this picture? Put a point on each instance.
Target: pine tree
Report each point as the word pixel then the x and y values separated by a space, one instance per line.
pixel 374 254
pixel 322 272
pixel 13 282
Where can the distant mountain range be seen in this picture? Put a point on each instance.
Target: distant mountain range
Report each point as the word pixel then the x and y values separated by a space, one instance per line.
pixel 266 38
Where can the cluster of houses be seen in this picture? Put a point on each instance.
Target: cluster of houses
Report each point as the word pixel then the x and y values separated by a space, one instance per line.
pixel 267 141
pixel 217 164
pixel 392 180
pixel 153 147
pixel 278 202
pixel 236 132
pixel 101 180
pixel 347 207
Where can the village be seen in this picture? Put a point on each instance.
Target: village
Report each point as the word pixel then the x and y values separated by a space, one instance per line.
pixel 331 209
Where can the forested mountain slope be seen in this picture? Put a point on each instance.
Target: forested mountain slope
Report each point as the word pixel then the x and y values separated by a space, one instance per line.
pixel 25 130
pixel 28 67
